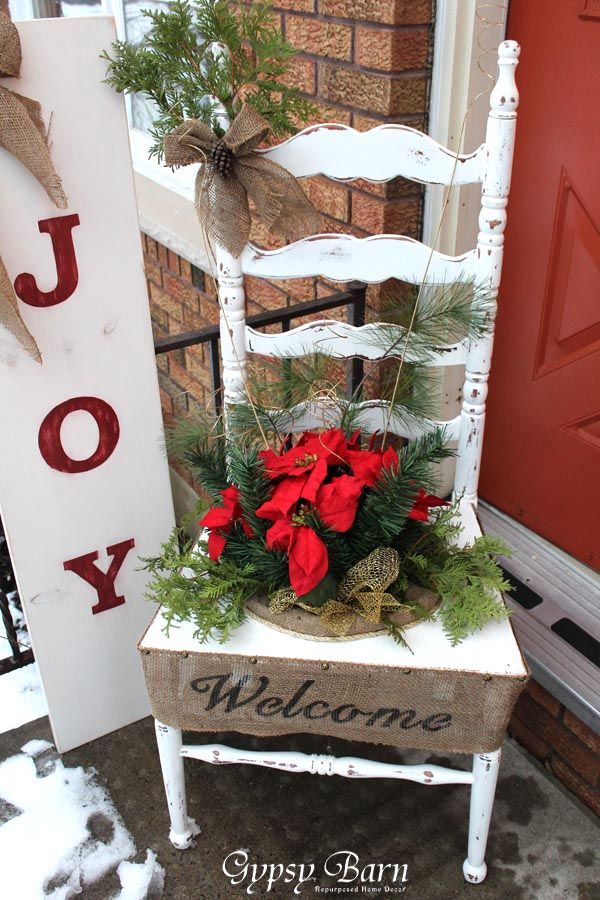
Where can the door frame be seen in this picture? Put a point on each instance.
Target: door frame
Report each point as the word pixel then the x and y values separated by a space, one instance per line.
pixel 460 29
pixel 460 33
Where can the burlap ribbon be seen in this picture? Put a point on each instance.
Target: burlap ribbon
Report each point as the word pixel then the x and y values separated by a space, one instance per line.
pixel 22 133
pixel 362 592
pixel 232 173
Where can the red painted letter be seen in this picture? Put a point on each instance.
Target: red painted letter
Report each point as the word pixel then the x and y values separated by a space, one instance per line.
pixel 104 585
pixel 50 444
pixel 26 288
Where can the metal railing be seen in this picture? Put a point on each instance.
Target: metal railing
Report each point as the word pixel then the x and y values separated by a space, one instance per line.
pixel 20 655
pixel 353 298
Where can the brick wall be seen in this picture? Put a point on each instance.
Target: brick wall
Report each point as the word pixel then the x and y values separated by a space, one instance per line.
pixel 559 740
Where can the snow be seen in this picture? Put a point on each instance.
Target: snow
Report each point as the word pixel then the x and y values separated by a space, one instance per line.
pixel 36 747
pixel 21 696
pixel 65 833
pixel 140 880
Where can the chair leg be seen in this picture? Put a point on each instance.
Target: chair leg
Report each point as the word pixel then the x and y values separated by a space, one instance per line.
pixel 169 743
pixel 485 776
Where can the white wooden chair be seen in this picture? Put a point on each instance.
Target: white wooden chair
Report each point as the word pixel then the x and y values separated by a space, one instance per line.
pixel 378 155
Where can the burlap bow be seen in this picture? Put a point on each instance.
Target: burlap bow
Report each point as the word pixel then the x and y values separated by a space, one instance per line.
pixel 22 133
pixel 362 592
pixel 232 172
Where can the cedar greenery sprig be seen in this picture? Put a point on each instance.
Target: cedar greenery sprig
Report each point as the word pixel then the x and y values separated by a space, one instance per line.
pixel 190 587
pixel 467 578
pixel 203 55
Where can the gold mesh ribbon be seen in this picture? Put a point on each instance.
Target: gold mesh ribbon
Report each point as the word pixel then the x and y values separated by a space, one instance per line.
pixel 362 592
pixel 22 133
pixel 222 200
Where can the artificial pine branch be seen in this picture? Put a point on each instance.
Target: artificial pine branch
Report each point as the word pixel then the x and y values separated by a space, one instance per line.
pixel 177 68
pixel 248 473
pixel 201 444
pixel 269 566
pixel 441 315
pixel 382 515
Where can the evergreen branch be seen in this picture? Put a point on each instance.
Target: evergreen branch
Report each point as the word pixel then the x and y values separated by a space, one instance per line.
pixel 201 445
pixel 270 567
pixel 468 579
pixel 248 473
pixel 177 68
pixel 446 314
pixel 383 514
pixel 190 587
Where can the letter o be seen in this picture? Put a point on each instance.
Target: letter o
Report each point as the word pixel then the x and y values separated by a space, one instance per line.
pixel 50 444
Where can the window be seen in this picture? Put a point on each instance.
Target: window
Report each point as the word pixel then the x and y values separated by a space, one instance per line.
pixel 130 25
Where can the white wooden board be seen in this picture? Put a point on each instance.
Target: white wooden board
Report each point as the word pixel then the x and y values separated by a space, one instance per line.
pixel 96 343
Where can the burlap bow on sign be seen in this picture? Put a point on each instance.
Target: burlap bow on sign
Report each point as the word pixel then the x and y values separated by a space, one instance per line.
pixel 22 133
pixel 232 172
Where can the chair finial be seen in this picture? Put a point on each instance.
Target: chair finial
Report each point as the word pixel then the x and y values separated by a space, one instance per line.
pixel 505 97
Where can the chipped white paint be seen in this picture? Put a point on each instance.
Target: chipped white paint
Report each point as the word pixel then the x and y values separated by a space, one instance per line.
pixel 373 416
pixel 337 339
pixel 183 828
pixel 232 324
pixel 500 139
pixel 380 154
pixel 343 257
pixel 317 764
pixel 485 776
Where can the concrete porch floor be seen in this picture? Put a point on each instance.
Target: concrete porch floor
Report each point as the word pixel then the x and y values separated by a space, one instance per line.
pixel 543 843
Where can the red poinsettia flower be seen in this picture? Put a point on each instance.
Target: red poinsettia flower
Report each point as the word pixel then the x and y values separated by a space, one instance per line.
pixel 423 503
pixel 220 520
pixel 368 464
pixel 335 504
pixel 312 452
pixel 307 554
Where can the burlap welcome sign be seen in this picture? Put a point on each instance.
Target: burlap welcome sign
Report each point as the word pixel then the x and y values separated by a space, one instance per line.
pixel 429 708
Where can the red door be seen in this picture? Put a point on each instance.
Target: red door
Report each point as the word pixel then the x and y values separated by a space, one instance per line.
pixel 541 455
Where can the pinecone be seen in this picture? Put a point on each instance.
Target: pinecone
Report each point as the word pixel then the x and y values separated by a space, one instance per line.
pixel 222 158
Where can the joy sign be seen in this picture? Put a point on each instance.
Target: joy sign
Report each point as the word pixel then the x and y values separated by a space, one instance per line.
pixel 84 484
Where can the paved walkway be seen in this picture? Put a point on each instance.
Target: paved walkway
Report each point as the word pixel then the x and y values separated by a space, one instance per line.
pixel 543 844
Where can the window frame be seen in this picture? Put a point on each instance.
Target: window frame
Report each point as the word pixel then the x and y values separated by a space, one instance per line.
pixel 181 182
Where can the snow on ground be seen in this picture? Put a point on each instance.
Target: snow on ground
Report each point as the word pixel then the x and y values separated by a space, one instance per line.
pixel 138 879
pixel 21 696
pixel 60 831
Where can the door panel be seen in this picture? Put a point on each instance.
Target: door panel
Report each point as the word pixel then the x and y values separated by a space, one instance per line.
pixel 541 456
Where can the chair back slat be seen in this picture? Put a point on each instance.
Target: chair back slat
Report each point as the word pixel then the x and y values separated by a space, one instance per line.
pixel 373 417
pixel 342 257
pixel 342 341
pixel 381 154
